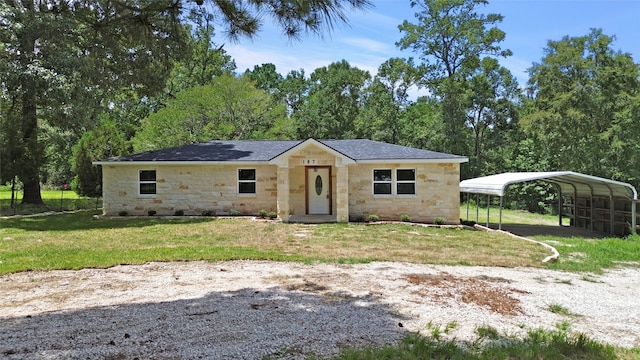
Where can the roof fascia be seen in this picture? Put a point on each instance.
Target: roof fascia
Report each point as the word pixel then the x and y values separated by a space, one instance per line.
pixel 283 158
pixel 177 163
pixel 413 161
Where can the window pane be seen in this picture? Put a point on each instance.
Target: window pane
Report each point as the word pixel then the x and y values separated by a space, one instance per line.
pixel 247 174
pixel 147 175
pixel 382 188
pixel 406 175
pixel 247 188
pixel 406 188
pixel 381 175
pixel 147 189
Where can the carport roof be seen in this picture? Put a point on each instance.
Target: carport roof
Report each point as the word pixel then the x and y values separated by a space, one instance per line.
pixel 569 182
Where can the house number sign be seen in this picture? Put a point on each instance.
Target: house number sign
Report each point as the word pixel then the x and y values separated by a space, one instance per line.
pixel 309 162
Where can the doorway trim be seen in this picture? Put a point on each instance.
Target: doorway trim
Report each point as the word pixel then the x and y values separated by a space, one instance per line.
pixel 307 186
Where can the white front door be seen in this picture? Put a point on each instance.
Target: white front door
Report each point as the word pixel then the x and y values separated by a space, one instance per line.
pixel 318 191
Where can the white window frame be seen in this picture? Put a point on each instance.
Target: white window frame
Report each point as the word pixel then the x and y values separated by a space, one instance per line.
pixel 141 182
pixel 374 182
pixel 398 182
pixel 254 181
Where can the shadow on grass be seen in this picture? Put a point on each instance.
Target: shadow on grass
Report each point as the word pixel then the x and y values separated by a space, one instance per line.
pixel 242 324
pixel 84 220
pixel 6 209
pixel 550 230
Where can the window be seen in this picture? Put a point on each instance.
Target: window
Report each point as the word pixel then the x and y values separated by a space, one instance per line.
pixel 147 182
pixel 247 181
pixel 382 182
pixel 405 182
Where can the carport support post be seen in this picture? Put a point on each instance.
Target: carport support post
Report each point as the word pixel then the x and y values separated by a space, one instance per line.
pixel 467 206
pixel 477 208
pixel 500 223
pixel 488 203
pixel 559 205
pixel 612 214
pixel 633 216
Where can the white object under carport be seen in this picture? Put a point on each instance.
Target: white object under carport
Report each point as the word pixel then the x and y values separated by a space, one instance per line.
pixel 566 182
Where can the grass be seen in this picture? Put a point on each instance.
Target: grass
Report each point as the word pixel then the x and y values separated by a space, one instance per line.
pixel 508 216
pixel 75 240
pixel 577 254
pixel 54 200
pixel 560 310
pixel 594 255
pixel 490 345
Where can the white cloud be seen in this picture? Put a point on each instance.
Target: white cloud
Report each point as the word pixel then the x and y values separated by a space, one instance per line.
pixel 368 44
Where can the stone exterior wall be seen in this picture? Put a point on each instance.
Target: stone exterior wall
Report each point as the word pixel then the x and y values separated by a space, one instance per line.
pixel 298 162
pixel 437 194
pixel 192 188
pixel 196 188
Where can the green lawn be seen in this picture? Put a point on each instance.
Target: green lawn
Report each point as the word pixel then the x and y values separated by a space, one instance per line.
pixel 508 216
pixel 54 200
pixel 73 241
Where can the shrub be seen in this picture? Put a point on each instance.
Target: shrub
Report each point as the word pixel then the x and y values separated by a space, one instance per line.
pixel 374 217
pixel 152 212
pixel 207 213
pixel 179 213
pixel 234 212
pixel 467 222
pixel 123 213
pixel 405 218
pixel 358 218
pixel 263 213
pixel 272 215
pixel 439 221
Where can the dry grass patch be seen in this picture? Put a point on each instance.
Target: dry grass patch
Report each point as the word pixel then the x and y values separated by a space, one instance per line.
pixel 393 242
pixel 445 287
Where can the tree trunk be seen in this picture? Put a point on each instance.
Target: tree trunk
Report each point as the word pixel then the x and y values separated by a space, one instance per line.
pixel 29 173
pixel 30 164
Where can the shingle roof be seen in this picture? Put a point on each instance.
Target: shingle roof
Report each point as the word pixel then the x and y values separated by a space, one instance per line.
pixel 265 150
pixel 362 149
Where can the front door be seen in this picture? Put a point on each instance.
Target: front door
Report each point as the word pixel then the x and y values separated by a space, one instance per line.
pixel 318 190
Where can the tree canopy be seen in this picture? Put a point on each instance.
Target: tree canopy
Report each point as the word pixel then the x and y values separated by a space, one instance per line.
pixel 61 62
pixel 586 107
pixel 451 38
pixel 85 80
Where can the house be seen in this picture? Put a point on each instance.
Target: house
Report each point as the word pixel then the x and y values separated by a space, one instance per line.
pixel 308 180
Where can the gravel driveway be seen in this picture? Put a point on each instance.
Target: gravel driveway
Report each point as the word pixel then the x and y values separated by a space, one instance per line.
pixel 257 309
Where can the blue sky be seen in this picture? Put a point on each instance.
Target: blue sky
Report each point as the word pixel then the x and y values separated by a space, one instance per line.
pixel 370 38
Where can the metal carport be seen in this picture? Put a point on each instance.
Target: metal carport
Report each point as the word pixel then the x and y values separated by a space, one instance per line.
pixel 566 182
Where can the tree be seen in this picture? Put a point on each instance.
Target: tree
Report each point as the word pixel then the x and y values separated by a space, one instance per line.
pixel 103 142
pixel 492 98
pixel 333 102
pixel 228 108
pixel 422 126
pixel 58 54
pixel 294 89
pixel 385 99
pixel 265 77
pixel 451 38
pixel 585 107
pixel 206 59
pixel 61 59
